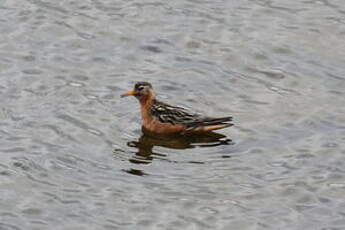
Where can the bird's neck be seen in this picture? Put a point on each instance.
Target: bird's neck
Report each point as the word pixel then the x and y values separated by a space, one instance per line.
pixel 146 100
pixel 145 104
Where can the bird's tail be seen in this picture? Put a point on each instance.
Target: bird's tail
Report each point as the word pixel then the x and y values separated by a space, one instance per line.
pixel 209 124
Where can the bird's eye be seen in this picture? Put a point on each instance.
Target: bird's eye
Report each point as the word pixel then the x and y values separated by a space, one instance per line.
pixel 141 87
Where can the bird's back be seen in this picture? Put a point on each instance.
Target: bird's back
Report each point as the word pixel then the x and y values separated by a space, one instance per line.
pixel 174 115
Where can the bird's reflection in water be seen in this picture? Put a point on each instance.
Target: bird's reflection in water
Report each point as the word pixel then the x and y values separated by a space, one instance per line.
pixel 145 153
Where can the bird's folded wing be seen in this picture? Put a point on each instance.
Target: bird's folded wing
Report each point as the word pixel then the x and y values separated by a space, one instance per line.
pixel 171 114
pixel 179 116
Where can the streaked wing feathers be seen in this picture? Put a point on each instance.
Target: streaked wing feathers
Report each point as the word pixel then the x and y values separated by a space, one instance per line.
pixel 170 114
pixel 179 116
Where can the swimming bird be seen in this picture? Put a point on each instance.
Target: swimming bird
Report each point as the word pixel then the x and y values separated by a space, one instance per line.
pixel 161 118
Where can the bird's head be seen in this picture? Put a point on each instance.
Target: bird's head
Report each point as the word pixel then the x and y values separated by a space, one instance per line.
pixel 142 91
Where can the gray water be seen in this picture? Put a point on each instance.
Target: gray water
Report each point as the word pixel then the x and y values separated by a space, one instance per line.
pixel 72 155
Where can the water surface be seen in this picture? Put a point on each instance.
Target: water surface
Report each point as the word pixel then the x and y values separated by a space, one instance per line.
pixel 72 155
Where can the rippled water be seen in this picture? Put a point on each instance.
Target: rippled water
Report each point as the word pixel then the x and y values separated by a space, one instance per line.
pixel 73 155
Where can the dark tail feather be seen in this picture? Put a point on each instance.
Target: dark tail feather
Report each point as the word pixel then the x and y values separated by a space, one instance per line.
pixel 210 121
pixel 217 120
